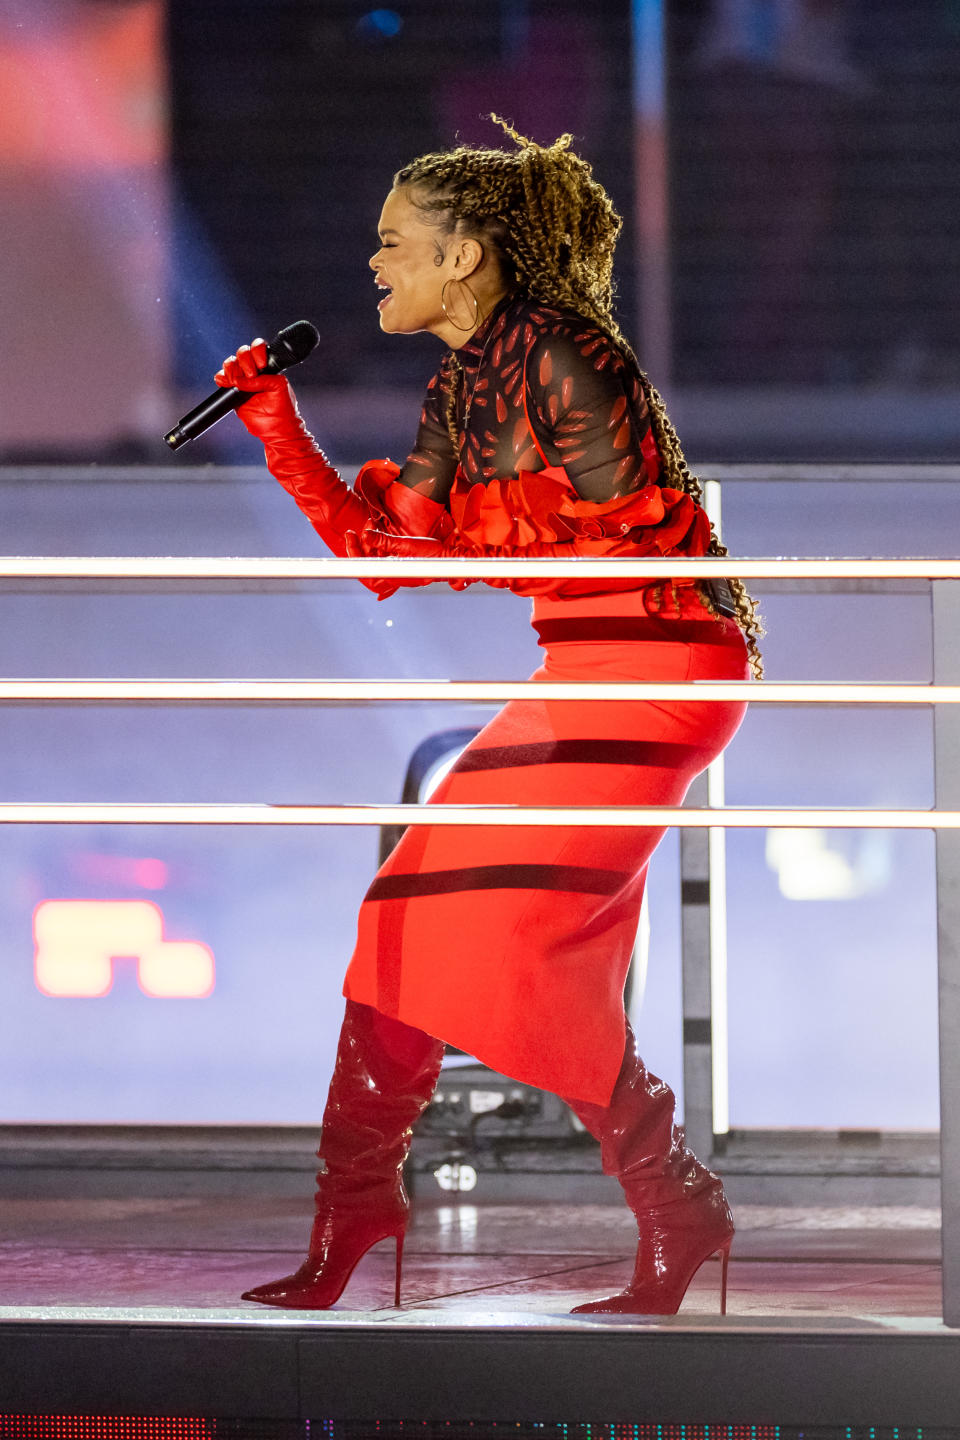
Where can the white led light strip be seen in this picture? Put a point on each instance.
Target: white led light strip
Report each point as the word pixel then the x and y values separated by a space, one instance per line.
pixel 717 872
pixel 719 993
pixel 259 692
pixel 734 817
pixel 176 567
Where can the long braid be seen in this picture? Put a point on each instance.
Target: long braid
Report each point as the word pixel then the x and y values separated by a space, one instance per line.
pixel 452 373
pixel 681 478
pixel 554 229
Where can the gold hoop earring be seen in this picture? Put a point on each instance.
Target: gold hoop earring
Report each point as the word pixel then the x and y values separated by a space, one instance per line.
pixel 476 304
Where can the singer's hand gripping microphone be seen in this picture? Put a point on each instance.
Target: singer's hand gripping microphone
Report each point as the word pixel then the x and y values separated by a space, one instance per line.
pixel 289 347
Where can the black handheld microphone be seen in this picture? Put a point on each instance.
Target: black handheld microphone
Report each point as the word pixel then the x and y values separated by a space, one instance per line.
pixel 292 345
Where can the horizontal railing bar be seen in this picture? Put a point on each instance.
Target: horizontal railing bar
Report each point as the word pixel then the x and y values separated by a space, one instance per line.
pixel 345 692
pixel 791 471
pixel 279 585
pixel 177 567
pixel 731 817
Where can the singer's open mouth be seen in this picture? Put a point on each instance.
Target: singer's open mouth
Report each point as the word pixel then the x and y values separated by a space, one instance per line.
pixel 388 297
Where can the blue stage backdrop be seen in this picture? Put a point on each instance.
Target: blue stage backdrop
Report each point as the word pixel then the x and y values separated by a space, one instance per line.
pixel 832 935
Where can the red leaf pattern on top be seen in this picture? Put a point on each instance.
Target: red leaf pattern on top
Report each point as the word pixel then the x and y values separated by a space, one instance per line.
pixel 625 468
pixel 554 454
pixel 542 390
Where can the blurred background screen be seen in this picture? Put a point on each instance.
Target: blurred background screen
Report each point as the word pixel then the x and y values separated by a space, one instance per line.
pixel 178 177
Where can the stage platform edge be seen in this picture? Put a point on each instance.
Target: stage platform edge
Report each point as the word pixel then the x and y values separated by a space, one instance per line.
pixel 338 1366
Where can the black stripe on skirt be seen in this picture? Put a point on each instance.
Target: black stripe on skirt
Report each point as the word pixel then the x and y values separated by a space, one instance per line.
pixel 576 878
pixel 663 755
pixel 609 629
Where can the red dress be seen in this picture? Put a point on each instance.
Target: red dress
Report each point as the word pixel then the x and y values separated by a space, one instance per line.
pixel 513 943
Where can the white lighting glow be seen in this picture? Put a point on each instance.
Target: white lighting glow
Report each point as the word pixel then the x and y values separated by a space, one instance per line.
pixel 78 941
pixel 811 866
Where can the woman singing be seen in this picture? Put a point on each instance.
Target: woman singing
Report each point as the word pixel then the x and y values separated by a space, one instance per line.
pixel 539 436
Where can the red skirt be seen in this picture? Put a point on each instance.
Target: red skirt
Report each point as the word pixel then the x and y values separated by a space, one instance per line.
pixel 513 943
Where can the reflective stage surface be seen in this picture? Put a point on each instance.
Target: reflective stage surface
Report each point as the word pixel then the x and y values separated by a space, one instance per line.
pixel 129 1306
pixel 191 1257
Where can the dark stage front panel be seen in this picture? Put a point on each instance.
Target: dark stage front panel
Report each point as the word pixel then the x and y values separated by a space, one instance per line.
pixel 159 1427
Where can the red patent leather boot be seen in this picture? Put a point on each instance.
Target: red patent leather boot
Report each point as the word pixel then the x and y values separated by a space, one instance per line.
pixel 383 1079
pixel 682 1214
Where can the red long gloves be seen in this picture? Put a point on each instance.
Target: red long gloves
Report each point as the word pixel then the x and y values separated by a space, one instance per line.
pixel 294 457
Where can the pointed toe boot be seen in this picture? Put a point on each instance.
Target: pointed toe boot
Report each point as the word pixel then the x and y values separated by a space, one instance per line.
pixel 680 1208
pixel 384 1077
pixel 673 1243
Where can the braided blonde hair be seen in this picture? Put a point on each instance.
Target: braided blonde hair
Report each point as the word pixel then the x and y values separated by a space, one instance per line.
pixel 554 230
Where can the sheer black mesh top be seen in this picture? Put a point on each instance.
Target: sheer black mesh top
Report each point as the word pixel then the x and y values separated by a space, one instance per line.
pixel 539 387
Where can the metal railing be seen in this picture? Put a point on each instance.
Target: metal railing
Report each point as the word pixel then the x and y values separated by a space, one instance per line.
pixel 944 694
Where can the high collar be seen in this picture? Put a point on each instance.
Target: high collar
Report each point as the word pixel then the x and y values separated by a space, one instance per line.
pixel 472 351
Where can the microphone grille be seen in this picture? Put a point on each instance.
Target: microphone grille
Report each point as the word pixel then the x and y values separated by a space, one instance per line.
pixel 297 341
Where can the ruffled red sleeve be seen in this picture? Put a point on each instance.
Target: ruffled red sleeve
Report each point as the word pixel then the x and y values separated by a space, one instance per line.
pixel 395 507
pixel 537 511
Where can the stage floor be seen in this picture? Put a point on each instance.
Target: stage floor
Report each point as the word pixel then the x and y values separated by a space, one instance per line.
pixel 129 1306
pixel 464 1264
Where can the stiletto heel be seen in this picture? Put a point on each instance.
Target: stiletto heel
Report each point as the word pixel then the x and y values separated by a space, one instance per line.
pixel 384 1077
pixel 338 1245
pixel 396 1291
pixel 668 1257
pixel 682 1215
